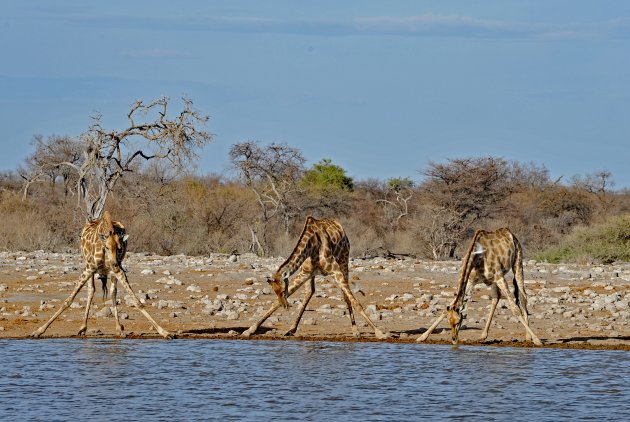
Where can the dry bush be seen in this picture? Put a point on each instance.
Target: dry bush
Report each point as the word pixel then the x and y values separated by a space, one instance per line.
pixel 166 213
pixel 25 227
pixel 363 240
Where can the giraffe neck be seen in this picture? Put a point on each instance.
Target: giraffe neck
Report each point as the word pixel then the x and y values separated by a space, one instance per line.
pixel 301 252
pixel 474 250
pixel 461 305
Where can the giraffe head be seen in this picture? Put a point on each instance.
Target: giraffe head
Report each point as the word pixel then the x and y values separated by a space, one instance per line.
pixel 113 238
pixel 280 286
pixel 455 319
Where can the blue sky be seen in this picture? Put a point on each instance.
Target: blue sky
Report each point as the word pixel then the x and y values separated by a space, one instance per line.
pixel 379 87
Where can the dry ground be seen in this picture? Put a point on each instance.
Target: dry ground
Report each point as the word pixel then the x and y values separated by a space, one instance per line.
pixel 214 297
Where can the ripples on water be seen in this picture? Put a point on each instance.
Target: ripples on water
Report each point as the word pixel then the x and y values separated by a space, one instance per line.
pixel 101 380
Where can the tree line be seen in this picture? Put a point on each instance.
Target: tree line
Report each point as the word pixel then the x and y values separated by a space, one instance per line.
pixel 141 173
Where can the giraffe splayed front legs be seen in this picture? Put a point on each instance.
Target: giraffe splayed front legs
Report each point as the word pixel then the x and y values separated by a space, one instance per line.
pixel 103 248
pixel 490 257
pixel 323 248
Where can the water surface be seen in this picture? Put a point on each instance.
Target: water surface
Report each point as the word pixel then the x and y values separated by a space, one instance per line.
pixel 99 380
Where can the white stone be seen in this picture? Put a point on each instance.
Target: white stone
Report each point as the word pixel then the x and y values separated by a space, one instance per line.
pixel 106 312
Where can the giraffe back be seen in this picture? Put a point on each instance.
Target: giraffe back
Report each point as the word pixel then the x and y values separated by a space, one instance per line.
pixel 489 254
pixel 320 241
pixel 104 244
pixel 501 249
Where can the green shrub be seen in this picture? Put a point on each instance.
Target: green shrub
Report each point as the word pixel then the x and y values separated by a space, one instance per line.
pixel 605 243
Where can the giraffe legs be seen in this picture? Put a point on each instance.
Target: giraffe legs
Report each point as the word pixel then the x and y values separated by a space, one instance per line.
pixel 493 306
pixel 429 330
pixel 85 276
pixel 467 294
pixel 355 329
pixel 516 310
pixel 113 290
pixel 308 294
pixel 88 305
pixel 122 277
pixel 295 284
pixel 521 299
pixel 341 277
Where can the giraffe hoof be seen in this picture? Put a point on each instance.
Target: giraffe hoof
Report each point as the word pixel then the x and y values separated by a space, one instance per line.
pixel 423 337
pixel 247 333
pixel 36 334
pixel 289 333
pixel 81 332
pixel 381 335
pixel 167 335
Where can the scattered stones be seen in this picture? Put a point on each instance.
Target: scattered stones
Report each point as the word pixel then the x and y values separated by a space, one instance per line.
pixel 231 315
pixel 170 281
pixel 309 321
pixel 583 298
pixel 106 312
pixel 173 304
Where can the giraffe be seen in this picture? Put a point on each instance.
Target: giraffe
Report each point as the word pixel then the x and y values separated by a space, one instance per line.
pixel 103 248
pixel 490 257
pixel 323 248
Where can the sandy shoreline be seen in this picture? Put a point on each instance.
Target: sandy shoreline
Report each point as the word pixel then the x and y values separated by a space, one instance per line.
pixel 218 297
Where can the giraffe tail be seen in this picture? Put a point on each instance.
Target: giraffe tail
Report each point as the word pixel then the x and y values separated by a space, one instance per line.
pixel 517 270
pixel 104 286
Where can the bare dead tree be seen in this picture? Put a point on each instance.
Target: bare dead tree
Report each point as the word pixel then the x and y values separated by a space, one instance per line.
pixel 43 164
pixel 151 134
pixel 468 189
pixel 435 231
pixel 398 194
pixel 273 173
pixel 599 184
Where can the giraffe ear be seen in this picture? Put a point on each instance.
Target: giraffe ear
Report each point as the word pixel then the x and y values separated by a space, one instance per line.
pixel 125 237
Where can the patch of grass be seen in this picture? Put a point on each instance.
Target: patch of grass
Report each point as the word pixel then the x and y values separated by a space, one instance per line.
pixel 605 243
